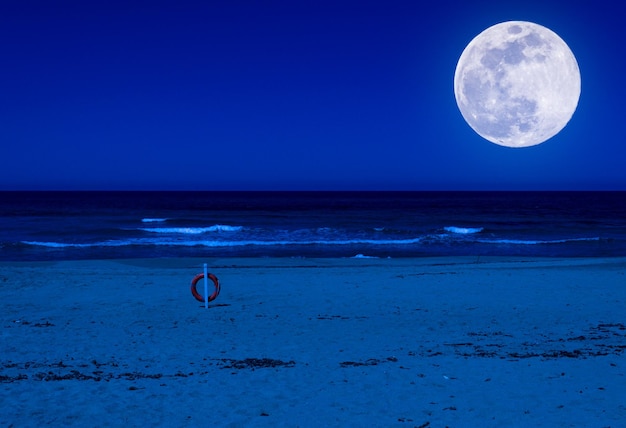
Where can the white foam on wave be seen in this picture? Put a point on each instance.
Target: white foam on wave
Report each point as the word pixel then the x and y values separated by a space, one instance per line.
pixel 76 245
pixel 216 243
pixel 535 242
pixel 243 243
pixel 153 220
pixel 463 230
pixel 363 256
pixel 192 230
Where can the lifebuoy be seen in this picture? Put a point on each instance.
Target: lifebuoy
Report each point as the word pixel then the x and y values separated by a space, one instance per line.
pixel 197 295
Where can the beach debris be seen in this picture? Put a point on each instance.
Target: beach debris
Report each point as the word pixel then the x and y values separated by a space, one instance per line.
pixel 332 317
pixel 10 379
pixel 61 371
pixel 368 362
pixel 427 273
pixel 46 324
pixel 255 363
pixel 600 340
pixel 37 324
pixel 338 317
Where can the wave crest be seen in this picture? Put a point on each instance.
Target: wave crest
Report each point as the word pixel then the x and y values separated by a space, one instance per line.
pixel 535 242
pixel 192 230
pixel 463 230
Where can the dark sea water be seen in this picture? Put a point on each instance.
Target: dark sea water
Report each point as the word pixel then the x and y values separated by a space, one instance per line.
pixel 88 225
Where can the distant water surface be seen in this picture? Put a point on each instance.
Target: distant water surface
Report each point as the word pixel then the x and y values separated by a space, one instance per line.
pixel 88 225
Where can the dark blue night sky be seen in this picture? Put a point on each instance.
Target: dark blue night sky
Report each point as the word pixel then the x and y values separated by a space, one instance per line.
pixel 298 95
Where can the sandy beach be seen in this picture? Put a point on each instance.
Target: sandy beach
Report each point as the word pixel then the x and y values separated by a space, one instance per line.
pixel 431 342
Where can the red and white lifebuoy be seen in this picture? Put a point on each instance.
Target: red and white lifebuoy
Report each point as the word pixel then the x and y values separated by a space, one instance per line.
pixel 197 295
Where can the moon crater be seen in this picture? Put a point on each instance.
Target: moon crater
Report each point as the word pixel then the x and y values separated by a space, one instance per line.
pixel 517 84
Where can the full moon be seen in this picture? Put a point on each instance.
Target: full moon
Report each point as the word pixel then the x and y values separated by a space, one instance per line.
pixel 517 84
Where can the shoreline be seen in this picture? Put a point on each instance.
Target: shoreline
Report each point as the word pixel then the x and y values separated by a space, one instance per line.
pixel 309 342
pixel 285 261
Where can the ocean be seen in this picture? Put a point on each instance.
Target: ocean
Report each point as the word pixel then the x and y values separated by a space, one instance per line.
pixel 37 226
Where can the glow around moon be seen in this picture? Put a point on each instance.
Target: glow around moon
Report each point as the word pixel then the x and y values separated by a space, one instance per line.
pixel 517 84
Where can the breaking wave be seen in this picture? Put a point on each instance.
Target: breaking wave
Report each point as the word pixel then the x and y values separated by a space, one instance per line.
pixel 463 230
pixel 192 230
